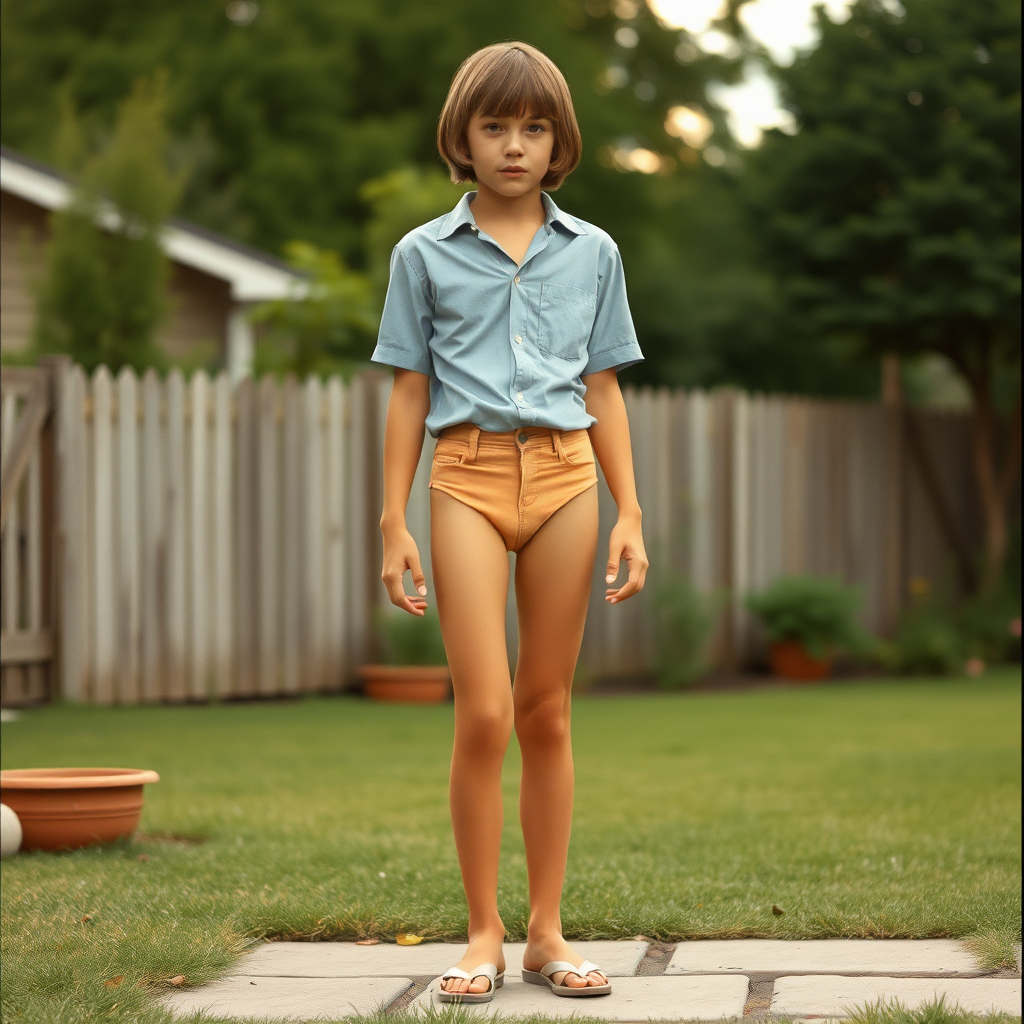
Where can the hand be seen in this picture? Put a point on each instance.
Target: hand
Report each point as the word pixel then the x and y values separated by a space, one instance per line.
pixel 401 553
pixel 626 543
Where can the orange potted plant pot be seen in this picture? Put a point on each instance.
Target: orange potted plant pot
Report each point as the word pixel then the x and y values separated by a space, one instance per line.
pixel 807 618
pixel 64 808
pixel 415 669
pixel 791 660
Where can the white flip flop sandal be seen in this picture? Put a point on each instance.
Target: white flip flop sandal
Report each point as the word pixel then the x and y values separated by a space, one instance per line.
pixel 489 971
pixel 543 977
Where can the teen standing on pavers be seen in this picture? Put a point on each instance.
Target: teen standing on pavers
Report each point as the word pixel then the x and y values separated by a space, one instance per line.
pixel 506 321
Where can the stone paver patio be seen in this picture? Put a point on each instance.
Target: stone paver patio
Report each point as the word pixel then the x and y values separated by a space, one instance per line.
pixel 702 980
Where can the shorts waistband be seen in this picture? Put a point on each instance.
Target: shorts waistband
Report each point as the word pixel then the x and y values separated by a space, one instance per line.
pixel 523 437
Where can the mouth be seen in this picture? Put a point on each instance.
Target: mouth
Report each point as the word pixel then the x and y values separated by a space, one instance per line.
pixel 514 171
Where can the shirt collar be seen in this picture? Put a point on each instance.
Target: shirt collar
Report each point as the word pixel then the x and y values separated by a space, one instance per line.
pixel 463 215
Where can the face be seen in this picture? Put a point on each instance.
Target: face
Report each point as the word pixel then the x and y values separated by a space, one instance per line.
pixel 510 154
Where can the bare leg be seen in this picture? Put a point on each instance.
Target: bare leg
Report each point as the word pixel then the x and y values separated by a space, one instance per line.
pixel 553 577
pixel 470 568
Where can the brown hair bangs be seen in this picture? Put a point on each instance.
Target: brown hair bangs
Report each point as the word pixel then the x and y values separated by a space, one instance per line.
pixel 509 80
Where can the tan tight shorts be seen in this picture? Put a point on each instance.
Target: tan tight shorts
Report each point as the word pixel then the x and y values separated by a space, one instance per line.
pixel 516 478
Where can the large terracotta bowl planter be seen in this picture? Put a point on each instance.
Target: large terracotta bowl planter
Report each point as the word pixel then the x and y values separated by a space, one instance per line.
pixel 790 660
pixel 406 684
pixel 64 808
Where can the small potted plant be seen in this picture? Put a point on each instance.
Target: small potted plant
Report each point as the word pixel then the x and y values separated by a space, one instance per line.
pixel 415 669
pixel 808 619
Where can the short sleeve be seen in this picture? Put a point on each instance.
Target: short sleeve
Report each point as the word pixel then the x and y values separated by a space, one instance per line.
pixel 613 339
pixel 406 325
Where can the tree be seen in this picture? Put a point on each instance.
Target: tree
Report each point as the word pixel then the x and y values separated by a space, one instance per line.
pixel 893 214
pixel 103 294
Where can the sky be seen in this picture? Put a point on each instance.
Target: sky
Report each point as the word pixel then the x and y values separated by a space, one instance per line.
pixel 783 26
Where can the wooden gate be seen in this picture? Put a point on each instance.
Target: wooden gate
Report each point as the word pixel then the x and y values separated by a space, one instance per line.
pixel 27 626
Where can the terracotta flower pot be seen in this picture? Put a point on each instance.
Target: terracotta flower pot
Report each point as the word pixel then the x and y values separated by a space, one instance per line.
pixel 406 684
pixel 64 808
pixel 790 660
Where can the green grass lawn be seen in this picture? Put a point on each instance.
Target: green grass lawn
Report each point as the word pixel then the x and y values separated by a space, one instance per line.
pixel 888 809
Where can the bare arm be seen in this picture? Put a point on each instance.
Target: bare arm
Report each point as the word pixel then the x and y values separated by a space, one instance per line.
pixel 403 442
pixel 610 438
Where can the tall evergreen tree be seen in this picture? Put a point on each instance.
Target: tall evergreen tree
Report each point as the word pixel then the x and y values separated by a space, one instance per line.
pixel 893 215
pixel 103 294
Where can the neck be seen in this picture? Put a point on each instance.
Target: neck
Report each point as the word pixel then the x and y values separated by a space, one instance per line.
pixel 491 204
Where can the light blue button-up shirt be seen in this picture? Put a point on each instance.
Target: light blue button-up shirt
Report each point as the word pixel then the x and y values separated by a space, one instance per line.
pixel 504 345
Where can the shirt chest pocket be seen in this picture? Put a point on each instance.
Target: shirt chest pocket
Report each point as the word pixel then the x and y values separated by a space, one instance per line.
pixel 566 320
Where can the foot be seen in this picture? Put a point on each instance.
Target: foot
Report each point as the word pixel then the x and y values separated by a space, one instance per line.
pixel 484 948
pixel 543 949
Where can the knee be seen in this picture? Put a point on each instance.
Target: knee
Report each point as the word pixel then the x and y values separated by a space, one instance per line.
pixel 483 732
pixel 543 722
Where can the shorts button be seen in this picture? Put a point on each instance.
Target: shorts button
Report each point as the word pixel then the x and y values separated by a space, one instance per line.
pixel 523 438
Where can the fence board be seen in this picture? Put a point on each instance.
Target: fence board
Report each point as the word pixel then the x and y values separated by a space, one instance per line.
pixel 154 543
pixel 246 529
pixel 335 518
pixel 127 586
pixel 104 649
pixel 291 535
pixel 221 619
pixel 176 658
pixel 269 492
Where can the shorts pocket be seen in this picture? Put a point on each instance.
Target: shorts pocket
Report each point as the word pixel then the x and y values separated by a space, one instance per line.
pixel 566 320
pixel 580 452
pixel 449 452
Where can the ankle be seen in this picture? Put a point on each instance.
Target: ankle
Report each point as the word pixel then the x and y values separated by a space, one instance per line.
pixel 543 935
pixel 491 930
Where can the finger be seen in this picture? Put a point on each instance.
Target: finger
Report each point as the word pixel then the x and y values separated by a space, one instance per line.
pixel 632 584
pixel 419 581
pixel 612 569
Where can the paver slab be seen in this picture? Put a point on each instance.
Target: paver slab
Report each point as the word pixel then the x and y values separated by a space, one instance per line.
pixel 347 960
pixel 835 996
pixel 823 956
pixel 631 999
pixel 288 998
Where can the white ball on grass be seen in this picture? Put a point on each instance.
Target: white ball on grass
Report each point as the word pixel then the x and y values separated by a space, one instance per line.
pixel 10 831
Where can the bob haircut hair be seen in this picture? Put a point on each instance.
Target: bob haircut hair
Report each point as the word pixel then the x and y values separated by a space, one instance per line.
pixel 509 80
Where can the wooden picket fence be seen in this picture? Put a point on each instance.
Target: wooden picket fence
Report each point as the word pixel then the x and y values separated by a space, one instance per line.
pixel 174 540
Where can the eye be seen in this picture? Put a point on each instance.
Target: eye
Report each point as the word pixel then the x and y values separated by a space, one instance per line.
pixel 492 127
pixel 536 129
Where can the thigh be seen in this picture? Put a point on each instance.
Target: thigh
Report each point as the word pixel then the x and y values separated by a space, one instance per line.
pixel 554 572
pixel 469 564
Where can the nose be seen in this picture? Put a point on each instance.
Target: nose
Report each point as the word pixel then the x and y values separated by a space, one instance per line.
pixel 514 144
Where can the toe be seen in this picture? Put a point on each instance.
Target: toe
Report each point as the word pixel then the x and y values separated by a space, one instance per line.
pixel 481 983
pixel 596 978
pixel 574 981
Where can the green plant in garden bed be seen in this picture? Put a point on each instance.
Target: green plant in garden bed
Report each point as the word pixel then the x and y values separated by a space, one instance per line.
pixel 887 808
pixel 817 611
pixel 683 622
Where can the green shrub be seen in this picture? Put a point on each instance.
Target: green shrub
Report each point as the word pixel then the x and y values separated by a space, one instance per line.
pixel 816 611
pixel 935 636
pixel 927 641
pixel 683 622
pixel 411 639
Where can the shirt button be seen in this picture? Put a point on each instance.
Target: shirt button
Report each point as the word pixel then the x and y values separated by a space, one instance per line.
pixel 519 340
pixel 516 279
pixel 519 396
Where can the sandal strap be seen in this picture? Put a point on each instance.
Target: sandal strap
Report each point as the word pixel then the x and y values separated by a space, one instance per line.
pixel 554 966
pixel 489 971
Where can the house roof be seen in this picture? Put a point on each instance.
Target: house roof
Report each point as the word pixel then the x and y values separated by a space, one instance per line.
pixel 254 275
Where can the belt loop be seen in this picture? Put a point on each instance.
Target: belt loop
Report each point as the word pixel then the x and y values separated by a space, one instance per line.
pixel 556 438
pixel 474 438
